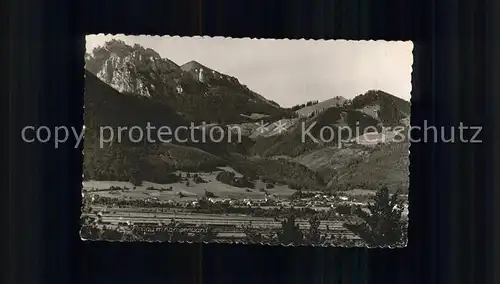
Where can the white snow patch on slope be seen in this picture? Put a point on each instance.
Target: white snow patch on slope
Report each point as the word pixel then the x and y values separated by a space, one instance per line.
pixel 319 107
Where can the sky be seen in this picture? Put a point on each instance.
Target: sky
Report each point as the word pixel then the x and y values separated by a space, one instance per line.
pixel 291 72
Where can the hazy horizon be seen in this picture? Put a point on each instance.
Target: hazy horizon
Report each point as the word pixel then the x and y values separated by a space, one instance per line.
pixel 291 72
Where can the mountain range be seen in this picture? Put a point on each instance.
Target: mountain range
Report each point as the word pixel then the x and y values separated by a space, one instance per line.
pixel 132 85
pixel 197 92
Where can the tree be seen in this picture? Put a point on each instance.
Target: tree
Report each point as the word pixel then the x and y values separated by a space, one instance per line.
pixel 290 232
pixel 383 224
pixel 203 203
pixel 314 236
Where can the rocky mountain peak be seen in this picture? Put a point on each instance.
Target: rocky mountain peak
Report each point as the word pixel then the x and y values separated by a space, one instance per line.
pixel 129 69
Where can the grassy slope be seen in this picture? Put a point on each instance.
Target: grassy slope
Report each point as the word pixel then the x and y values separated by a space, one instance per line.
pixel 151 161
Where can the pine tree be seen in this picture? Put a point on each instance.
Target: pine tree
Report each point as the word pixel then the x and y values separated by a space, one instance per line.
pixel 383 225
pixel 313 236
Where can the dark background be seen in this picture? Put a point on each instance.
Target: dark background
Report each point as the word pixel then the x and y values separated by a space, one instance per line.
pixel 452 194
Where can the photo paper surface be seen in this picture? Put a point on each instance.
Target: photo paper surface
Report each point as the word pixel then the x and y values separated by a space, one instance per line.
pixel 263 141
